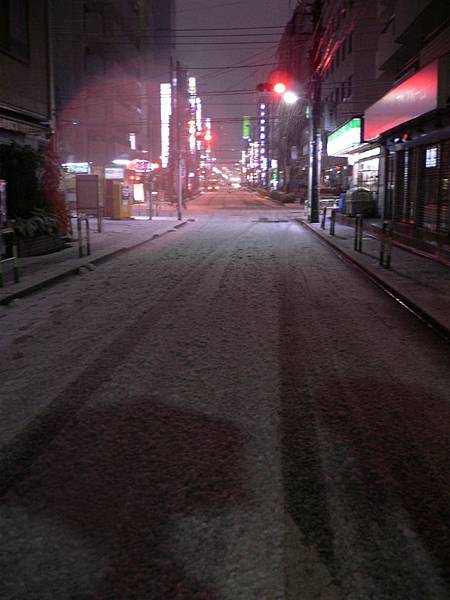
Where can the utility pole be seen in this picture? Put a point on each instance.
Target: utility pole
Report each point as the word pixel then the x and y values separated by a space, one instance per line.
pixel 179 153
pixel 315 135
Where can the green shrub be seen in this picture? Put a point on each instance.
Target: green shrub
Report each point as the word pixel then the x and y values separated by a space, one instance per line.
pixel 41 222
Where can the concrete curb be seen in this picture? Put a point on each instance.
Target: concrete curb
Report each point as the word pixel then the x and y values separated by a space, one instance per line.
pixel 418 311
pixel 74 270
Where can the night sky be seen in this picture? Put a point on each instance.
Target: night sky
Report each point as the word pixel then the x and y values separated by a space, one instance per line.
pixel 261 51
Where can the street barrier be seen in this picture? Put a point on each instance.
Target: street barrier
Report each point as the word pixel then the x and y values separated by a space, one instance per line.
pixel 80 220
pixel 14 258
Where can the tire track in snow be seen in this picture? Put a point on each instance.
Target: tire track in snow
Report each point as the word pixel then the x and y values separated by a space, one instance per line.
pixel 18 455
pixel 351 497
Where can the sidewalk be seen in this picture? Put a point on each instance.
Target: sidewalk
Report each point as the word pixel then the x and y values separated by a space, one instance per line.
pixel 423 284
pixel 117 237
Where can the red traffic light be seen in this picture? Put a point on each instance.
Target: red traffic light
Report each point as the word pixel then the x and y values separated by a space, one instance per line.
pixel 279 87
pixel 206 136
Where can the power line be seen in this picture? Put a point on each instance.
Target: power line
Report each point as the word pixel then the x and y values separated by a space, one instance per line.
pixel 225 28
pixel 230 67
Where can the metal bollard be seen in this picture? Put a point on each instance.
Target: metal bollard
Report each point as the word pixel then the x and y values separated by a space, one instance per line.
pixel 80 220
pixel 387 233
pixel 358 233
pixel 324 218
pixel 80 238
pixel 14 258
pixel 88 236
pixel 332 221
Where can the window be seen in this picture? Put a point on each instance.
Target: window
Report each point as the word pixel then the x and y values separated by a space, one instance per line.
pixel 350 42
pixel 349 87
pixel 338 56
pixel 429 208
pixel 343 86
pixel 431 156
pixel 14 28
pixel 336 94
pixel 343 51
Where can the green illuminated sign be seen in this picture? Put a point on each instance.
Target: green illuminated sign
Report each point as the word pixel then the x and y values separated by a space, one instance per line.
pixel 344 138
pixel 246 128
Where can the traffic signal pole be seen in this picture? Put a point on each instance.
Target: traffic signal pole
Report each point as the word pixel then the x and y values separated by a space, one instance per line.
pixel 315 151
pixel 179 159
pixel 315 135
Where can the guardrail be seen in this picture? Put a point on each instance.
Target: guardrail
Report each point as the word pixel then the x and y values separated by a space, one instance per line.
pixel 3 232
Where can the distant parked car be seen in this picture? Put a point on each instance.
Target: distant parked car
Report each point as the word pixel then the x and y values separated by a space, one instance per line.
pixel 213 185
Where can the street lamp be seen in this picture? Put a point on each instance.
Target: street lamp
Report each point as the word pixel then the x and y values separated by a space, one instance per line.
pixel 290 97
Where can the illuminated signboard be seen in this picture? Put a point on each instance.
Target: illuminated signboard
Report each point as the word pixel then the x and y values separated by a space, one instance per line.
pixel 262 140
pixel 246 128
pixel 114 173
pixel 198 114
pixel 76 168
pixel 345 138
pixel 139 166
pixel 166 111
pixel 412 98
pixel 192 88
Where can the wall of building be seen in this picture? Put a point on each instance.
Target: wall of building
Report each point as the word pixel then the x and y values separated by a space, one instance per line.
pixel 350 33
pixel 24 72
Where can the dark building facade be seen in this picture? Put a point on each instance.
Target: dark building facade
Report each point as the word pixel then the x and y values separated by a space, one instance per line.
pixel 411 123
pixel 25 73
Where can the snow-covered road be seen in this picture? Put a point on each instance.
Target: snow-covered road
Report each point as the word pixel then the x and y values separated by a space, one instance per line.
pixel 230 413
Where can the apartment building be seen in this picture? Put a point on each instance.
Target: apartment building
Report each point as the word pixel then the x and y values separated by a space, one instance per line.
pixel 25 90
pixel 341 43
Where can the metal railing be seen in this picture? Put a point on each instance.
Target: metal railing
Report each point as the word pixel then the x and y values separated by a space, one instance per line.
pixel 3 232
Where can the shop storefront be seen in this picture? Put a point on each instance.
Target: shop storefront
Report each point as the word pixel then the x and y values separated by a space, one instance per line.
pixel 417 191
pixel 412 124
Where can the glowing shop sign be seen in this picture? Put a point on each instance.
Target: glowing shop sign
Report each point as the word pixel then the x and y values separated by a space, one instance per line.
pixel 345 138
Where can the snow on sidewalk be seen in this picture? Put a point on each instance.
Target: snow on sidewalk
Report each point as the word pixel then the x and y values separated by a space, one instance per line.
pixel 116 236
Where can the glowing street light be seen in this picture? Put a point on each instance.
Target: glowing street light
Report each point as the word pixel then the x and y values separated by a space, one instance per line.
pixel 290 97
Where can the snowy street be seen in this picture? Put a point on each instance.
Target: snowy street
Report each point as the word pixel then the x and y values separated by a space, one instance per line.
pixel 230 412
